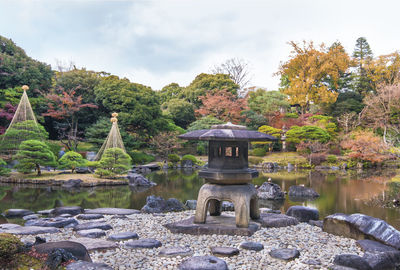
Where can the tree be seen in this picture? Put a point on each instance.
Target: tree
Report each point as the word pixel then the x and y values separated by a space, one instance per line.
pixel 306 73
pixel 347 102
pixel 32 154
pixel 208 83
pixel 113 162
pixel 382 110
pixel 222 105
pixel 348 121
pixel 362 55
pixel 181 111
pixel 71 160
pixel 6 116
pixel 64 105
pixel 237 69
pixel 267 103
pixel 170 91
pixel 385 70
pixel 298 134
pixel 204 123
pixel 165 142
pixel 3 169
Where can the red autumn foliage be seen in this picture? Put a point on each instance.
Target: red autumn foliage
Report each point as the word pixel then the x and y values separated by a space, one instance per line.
pixel 7 114
pixel 223 105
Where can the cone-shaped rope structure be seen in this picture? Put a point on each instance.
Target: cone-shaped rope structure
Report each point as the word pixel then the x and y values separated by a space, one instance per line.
pixel 114 139
pixel 23 126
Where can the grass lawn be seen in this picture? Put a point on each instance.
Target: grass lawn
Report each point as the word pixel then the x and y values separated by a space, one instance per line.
pixel 283 158
pixel 87 178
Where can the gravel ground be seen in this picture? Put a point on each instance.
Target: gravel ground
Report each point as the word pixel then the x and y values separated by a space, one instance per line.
pixel 312 243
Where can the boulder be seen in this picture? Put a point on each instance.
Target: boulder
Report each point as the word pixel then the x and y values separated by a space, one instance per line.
pixel 45 212
pixel 72 183
pixel 17 213
pixel 271 220
pixel 143 243
pixel 252 246
pixel 90 216
pixel 123 236
pixel 57 222
pixel 381 261
pixel 112 211
pixel 76 249
pixel 227 206
pixel 92 233
pixel 224 251
pixel 187 163
pixel 270 191
pixel 58 256
pixel 204 263
pixel 302 213
pixel 72 210
pixel 359 226
pixel 286 254
pixel 136 179
pixel 353 261
pixel 83 170
pixel 82 265
pixel 28 217
pixel 301 192
pixel 159 205
pixel 382 254
pixel 175 251
pixel 92 225
pixel 191 204
pixel 318 223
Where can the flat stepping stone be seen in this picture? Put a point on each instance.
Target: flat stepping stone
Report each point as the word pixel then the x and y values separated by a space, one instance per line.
pixel 92 225
pixel 8 226
pixel 252 246
pixel 374 246
pixel 90 216
pixel 112 211
pixel 224 251
pixel 17 213
pixel 45 212
pixel 286 254
pixel 271 220
pixel 57 222
pixel 76 249
pixel 92 233
pixel 123 236
pixel 24 230
pixel 204 263
pixel 71 210
pixel 28 217
pixel 302 213
pixel 95 244
pixel 175 251
pixel 143 243
pixel 82 265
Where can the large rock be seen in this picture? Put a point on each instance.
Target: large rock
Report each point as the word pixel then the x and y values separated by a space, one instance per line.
pixel 270 191
pixel 271 220
pixel 191 204
pixel 381 261
pixel 224 251
pixel 377 254
pixel 95 244
pixel 286 254
pixel 82 265
pixel 203 263
pixel 24 230
pixel 123 236
pixel 76 249
pixel 301 192
pixel 143 243
pixel 112 211
pixel 57 222
pixel 72 183
pixel 359 226
pixel 252 246
pixel 227 206
pixel 136 179
pixel 92 225
pixel 159 205
pixel 72 210
pixel 17 213
pixel 353 261
pixel 29 217
pixel 302 213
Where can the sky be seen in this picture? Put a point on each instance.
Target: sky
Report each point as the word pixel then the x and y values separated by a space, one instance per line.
pixel 159 42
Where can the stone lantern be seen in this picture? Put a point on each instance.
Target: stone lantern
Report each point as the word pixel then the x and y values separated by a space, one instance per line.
pixel 227 176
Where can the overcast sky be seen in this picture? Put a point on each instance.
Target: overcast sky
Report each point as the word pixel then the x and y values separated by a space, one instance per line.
pixel 159 42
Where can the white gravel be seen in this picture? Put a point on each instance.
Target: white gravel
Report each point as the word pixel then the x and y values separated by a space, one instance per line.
pixel 311 241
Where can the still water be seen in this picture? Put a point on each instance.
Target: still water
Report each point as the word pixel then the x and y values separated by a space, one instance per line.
pixel 340 192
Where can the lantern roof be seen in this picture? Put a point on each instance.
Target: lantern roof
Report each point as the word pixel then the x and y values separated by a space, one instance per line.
pixel 227 132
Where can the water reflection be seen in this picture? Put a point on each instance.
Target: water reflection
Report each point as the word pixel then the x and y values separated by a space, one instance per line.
pixel 340 192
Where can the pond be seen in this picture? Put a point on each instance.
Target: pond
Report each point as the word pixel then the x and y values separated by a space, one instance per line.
pixel 340 192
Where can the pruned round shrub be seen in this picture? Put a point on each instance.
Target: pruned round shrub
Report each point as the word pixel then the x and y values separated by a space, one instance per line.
pixel 331 158
pixel 139 157
pixel 174 158
pixel 72 160
pixel 9 246
pixel 317 158
pixel 259 152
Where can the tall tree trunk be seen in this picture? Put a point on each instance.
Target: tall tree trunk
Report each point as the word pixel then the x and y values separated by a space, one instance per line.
pixel 38 170
pixel 384 135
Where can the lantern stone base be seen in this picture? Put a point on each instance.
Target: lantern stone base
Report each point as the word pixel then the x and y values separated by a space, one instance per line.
pixel 223 224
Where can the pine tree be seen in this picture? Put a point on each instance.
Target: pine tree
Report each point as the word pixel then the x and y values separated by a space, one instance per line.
pixel 71 160
pixel 362 55
pixel 113 162
pixel 32 154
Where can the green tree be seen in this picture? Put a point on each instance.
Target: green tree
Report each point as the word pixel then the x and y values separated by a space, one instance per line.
pixel 181 111
pixel 3 169
pixel 267 102
pixel 347 102
pixel 32 154
pixel 362 55
pixel 71 160
pixel 170 91
pixel 137 105
pixel 204 123
pixel 113 162
pixel 298 134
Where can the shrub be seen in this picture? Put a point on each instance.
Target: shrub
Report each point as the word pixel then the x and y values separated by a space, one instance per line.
pixel 255 160
pixel 9 246
pixel 331 158
pixel 32 154
pixel 139 157
pixel 174 158
pixel 54 147
pixel 297 134
pixel 3 169
pixel 259 152
pixel 193 159
pixel 71 160
pixel 291 115
pixel 317 158
pixel 201 148
pixel 113 162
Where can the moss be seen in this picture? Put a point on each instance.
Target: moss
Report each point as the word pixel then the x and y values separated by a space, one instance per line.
pixel 9 246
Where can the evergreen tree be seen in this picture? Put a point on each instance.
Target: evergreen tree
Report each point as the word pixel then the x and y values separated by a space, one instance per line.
pixel 3 169
pixel 362 55
pixel 32 154
pixel 71 160
pixel 113 162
